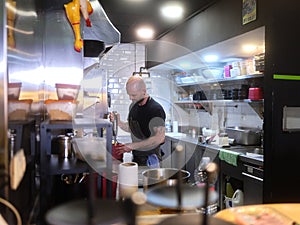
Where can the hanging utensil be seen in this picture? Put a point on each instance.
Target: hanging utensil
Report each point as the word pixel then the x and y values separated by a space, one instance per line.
pixel 115 127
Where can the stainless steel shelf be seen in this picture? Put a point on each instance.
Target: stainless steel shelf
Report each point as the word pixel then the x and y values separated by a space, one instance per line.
pixel 231 79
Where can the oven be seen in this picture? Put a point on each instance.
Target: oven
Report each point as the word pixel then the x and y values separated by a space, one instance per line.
pixel 253 184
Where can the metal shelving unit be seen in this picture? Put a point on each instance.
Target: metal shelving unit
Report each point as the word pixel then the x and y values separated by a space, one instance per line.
pixel 22 136
pixel 51 165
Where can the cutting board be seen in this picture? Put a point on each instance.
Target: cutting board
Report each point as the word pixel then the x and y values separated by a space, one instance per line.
pixel 17 169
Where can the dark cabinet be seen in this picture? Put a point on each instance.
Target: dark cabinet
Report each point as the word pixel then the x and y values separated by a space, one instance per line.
pixel 177 157
pixel 166 153
pixel 253 184
pixel 193 155
pixel 246 176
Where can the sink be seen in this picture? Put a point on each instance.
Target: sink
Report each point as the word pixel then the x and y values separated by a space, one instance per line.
pixel 246 149
pixel 254 155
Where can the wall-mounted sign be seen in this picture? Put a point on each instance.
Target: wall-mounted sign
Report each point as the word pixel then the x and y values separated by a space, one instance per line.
pixel 249 11
pixel 285 77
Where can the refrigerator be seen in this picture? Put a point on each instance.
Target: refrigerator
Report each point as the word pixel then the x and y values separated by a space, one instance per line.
pixel 282 104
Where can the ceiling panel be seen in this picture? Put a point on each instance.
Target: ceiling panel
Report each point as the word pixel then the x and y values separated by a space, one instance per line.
pixel 127 15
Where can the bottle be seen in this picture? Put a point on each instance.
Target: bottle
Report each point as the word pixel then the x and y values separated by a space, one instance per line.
pixel 200 175
pixel 168 126
pixel 193 132
pixel 229 190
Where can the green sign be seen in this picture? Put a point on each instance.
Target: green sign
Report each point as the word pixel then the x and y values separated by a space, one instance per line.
pixel 286 77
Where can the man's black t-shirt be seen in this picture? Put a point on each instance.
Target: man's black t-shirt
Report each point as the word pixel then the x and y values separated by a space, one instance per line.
pixel 142 119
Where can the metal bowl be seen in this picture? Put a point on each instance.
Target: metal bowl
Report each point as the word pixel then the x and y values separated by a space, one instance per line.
pixel 163 176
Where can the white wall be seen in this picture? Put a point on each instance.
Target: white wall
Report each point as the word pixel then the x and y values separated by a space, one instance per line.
pixel 122 60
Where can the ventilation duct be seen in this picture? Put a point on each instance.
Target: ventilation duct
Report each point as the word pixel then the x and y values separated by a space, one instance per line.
pixel 102 29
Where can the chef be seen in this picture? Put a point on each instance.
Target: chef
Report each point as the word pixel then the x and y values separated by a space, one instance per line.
pixel 145 122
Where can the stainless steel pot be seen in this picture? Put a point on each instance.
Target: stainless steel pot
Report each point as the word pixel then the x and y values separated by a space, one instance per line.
pixel 163 176
pixel 65 149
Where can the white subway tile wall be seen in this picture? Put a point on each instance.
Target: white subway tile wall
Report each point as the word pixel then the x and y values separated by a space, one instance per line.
pixel 124 59
pixel 120 62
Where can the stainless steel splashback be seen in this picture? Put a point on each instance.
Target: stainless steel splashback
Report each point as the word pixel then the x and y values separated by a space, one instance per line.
pixel 44 46
pixel 3 97
pixel 102 29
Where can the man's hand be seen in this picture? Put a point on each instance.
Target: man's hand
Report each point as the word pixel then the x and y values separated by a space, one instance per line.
pixel 112 116
pixel 122 148
pixel 123 125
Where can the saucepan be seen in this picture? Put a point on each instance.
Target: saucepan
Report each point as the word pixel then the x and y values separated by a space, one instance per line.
pixel 163 176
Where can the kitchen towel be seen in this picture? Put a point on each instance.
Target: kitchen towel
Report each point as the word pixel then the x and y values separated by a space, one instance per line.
pixel 153 161
pixel 128 179
pixel 229 156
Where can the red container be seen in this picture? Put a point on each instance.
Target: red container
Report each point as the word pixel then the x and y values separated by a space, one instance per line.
pixel 114 152
pixel 255 94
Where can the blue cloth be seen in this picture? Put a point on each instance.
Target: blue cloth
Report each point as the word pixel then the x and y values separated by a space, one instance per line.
pixel 153 161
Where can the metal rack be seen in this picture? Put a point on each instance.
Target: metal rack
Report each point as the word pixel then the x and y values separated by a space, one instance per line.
pixel 51 165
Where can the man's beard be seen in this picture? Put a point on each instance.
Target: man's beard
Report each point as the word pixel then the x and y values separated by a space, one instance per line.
pixel 137 101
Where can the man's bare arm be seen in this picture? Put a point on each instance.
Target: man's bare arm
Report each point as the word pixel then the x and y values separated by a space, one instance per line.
pixel 151 142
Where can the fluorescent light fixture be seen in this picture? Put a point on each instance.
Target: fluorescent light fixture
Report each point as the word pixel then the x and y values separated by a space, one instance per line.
pixel 211 58
pixel 145 32
pixel 185 65
pixel 249 48
pixel 172 11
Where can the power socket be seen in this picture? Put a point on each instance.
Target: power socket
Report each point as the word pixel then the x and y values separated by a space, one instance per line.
pixel 17 169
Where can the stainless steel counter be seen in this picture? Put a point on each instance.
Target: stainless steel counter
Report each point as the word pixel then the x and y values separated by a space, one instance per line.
pixel 246 154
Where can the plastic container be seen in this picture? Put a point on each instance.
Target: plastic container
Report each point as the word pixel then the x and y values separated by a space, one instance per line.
pixel 67 91
pixel 255 93
pixel 14 90
pixel 61 109
pixel 19 109
pixel 236 200
pixel 93 148
pixel 227 69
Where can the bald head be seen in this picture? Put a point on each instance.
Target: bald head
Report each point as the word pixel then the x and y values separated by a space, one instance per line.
pixel 136 82
pixel 136 88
